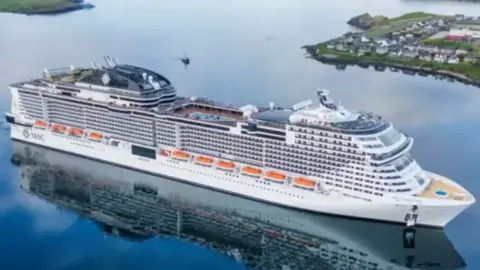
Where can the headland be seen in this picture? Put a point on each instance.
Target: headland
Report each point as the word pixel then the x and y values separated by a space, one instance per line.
pixel 42 7
pixel 446 46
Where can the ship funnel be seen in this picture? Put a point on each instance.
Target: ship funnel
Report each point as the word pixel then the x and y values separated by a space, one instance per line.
pixel 271 105
pixel 94 65
pixel 144 76
pixel 72 67
pixel 150 79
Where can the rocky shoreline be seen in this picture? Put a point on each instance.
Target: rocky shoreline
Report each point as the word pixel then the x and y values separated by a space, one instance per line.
pixel 381 66
pixel 359 21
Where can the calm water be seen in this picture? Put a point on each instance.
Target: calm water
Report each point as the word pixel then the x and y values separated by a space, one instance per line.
pixel 242 52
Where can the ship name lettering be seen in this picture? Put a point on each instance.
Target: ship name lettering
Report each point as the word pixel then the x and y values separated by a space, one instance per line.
pixel 38 137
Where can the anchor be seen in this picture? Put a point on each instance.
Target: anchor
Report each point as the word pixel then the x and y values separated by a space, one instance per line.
pixel 412 216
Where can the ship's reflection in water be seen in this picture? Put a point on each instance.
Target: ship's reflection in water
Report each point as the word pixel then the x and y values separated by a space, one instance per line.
pixel 137 206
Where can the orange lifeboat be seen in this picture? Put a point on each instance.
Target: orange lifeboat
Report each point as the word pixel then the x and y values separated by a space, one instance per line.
pixel 40 124
pixel 181 155
pixel 304 182
pixel 204 160
pixel 95 136
pixel 76 132
pixel 275 176
pixel 59 128
pixel 252 171
pixel 225 165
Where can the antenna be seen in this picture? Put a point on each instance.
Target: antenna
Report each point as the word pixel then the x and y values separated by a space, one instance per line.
pixel 106 61
pixel 112 62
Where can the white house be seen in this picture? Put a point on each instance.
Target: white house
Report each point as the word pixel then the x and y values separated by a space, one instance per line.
pixel 365 39
pixel 440 58
pixel 453 60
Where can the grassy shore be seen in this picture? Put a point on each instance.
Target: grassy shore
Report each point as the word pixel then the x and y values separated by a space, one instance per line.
pixel 38 6
pixel 469 70
pixel 382 25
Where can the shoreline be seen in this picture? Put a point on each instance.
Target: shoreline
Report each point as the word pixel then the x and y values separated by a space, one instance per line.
pixel 57 9
pixel 381 66
pixel 414 43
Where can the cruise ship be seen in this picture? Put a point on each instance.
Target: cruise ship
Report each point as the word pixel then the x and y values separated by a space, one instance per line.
pixel 315 156
pixel 136 206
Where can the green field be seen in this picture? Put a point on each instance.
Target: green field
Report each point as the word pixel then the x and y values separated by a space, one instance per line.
pixel 388 25
pixel 453 44
pixel 467 69
pixel 449 44
pixel 34 6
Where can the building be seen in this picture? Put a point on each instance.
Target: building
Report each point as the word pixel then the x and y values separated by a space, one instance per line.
pixel 382 50
pixel 462 34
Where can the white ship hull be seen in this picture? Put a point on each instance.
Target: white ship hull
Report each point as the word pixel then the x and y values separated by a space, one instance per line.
pixel 381 242
pixel 383 209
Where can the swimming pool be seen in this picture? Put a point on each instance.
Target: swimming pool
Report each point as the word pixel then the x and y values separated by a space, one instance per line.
pixel 441 193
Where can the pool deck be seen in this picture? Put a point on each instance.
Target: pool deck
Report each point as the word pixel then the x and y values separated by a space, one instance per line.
pixel 453 192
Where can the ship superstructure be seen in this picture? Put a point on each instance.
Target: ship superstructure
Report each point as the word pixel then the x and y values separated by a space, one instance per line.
pixel 318 156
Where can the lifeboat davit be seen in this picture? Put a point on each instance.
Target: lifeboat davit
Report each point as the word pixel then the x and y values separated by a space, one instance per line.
pixel 59 128
pixel 304 182
pixel 40 124
pixel 95 136
pixel 275 176
pixel 165 153
pixel 225 165
pixel 252 171
pixel 181 155
pixel 76 132
pixel 204 160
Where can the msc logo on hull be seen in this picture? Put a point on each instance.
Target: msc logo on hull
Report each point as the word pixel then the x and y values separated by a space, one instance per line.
pixel 27 134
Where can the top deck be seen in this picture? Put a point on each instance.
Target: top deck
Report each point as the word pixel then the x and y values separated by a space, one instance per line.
pixel 118 76
pixel 141 82
pixel 442 190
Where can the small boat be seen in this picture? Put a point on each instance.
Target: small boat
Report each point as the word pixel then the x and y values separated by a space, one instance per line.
pixel 76 132
pixel 40 124
pixel 204 160
pixel 225 165
pixel 275 176
pixel 251 171
pixel 304 183
pixel 181 155
pixel 95 136
pixel 59 128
